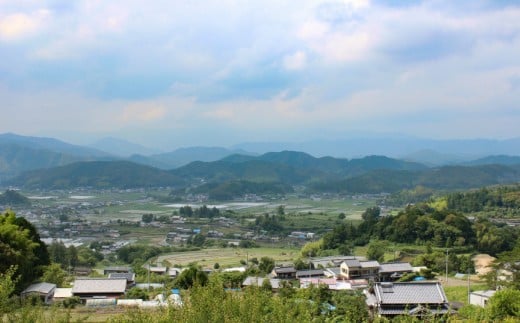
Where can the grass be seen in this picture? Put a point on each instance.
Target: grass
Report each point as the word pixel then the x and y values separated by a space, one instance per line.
pixel 460 293
pixel 230 257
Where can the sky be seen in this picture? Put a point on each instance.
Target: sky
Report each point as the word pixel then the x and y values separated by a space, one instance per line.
pixel 169 73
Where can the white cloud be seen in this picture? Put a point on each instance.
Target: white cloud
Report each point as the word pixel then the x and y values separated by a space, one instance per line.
pixel 20 25
pixel 296 61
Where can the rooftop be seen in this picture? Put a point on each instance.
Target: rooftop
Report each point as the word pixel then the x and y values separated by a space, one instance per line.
pixel 394 267
pixel 99 285
pixel 410 293
pixel 43 288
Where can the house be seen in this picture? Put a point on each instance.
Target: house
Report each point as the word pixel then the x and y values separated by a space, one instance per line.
pixel 259 281
pixel 110 270
pixel 354 268
pixel 393 271
pixel 130 278
pixel 43 290
pixel 411 298
pixel 284 272
pixel 480 298
pixel 314 273
pixel 86 288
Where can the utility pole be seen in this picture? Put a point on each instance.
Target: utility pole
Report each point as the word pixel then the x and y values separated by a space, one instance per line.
pixel 447 266
pixel 469 287
pixel 149 276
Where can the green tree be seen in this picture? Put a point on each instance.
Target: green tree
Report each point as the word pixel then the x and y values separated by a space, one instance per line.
pixel 505 303
pixel 7 287
pixel 21 247
pixel 190 277
pixel 54 274
pixel 266 264
pixel 147 218
pixel 376 250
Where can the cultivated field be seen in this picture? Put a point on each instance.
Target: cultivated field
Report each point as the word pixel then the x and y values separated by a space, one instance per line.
pixel 229 257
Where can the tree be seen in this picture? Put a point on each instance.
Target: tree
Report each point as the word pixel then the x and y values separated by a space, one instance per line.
pixel 7 287
pixel 505 303
pixel 21 247
pixel 376 251
pixel 190 277
pixel 54 274
pixel 147 218
pixel 266 264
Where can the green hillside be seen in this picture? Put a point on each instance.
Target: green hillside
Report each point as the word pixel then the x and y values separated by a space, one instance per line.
pixel 119 174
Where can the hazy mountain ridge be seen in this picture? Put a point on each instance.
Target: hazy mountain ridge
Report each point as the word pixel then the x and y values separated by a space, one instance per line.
pixel 98 174
pixel 373 174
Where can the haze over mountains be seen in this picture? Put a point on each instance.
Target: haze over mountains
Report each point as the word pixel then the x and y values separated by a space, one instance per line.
pixel 35 162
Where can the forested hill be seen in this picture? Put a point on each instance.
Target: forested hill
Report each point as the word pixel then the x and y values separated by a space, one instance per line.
pixel 101 174
pixel 341 166
pixel 373 174
pixel 443 178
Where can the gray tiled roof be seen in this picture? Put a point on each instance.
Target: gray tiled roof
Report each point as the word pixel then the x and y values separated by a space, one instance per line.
pixel 43 288
pixel 410 293
pixel 395 267
pixel 99 285
pixel 369 264
pixel 313 272
pixel 351 263
pixel 127 276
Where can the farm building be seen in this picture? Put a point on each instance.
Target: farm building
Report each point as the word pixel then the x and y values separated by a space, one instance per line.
pixel 99 288
pixel 43 290
pixel 481 297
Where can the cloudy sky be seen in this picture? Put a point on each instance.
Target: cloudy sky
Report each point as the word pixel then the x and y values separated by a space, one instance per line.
pixel 179 73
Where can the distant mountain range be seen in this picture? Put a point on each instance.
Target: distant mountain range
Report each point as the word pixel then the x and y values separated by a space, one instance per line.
pixel 49 163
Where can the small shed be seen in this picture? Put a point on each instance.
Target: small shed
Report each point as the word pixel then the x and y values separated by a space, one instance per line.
pixel 43 290
pixel 481 297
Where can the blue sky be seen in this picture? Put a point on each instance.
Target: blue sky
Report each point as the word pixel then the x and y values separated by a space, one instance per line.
pixel 179 73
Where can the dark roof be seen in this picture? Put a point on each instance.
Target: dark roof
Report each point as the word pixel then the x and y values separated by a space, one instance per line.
pixel 307 273
pixel 395 267
pixel 284 270
pixel 127 276
pixel 410 293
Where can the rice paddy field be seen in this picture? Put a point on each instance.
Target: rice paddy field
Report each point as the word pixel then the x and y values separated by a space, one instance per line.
pixel 229 257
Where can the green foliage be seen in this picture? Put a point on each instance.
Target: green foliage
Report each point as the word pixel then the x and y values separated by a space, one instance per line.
pixel 137 293
pixel 21 247
pixel 269 223
pixel 131 253
pixel 147 218
pixel 190 277
pixel 201 212
pixel 7 286
pixel 54 274
pixel 505 303
pixel 11 197
pixel 266 265
pixel 376 250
